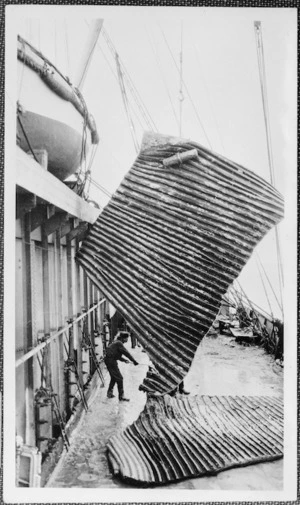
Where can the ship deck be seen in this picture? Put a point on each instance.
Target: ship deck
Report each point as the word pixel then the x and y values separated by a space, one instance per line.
pixel 221 367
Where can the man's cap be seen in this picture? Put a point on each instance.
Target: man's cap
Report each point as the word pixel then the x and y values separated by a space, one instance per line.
pixel 122 334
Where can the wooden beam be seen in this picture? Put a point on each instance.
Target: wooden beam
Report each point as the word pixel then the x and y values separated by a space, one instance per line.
pixel 55 222
pixel 69 281
pixel 30 176
pixel 24 203
pixel 46 305
pixel 70 298
pixel 81 236
pixel 79 230
pixel 38 216
pixel 60 321
pixel 66 229
pixel 28 334
pixel 78 327
pixel 91 322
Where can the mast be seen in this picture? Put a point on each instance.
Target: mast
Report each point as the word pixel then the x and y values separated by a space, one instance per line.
pixel 181 96
pixel 84 62
pixel 263 86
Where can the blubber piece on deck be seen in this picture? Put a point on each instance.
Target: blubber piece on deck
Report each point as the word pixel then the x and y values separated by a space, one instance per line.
pixel 180 438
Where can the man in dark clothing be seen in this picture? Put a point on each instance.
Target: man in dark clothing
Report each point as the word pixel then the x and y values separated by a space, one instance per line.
pixel 114 353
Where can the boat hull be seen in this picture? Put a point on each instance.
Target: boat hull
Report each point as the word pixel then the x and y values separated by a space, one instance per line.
pixel 62 142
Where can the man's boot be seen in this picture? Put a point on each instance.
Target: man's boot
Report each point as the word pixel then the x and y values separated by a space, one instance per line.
pixel 122 399
pixel 110 394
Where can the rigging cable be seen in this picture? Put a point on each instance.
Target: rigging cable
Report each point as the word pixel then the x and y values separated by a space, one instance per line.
pixel 250 302
pixel 162 76
pixel 27 139
pixel 22 71
pixel 270 284
pixel 143 110
pixel 88 60
pixel 55 41
pixel 264 286
pixel 181 96
pixel 208 94
pixel 88 172
pixel 116 77
pixel 187 91
pixel 39 35
pixel 263 87
pixel 126 105
pixel 137 97
pixel 67 48
pixel 102 188
pixel 114 53
pixel 251 305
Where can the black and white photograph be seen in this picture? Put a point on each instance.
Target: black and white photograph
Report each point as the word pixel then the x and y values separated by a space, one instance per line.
pixel 150 254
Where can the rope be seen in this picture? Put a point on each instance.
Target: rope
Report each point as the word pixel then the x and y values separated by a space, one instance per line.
pixel 22 71
pixel 269 303
pixel 251 306
pixel 207 93
pixel 162 76
pixel 263 86
pixel 67 47
pixel 55 42
pixel 80 84
pixel 102 188
pixel 187 91
pixel 251 303
pixel 26 138
pixel 88 172
pixel 273 291
pixel 126 104
pixel 181 96
pixel 117 78
pixel 144 112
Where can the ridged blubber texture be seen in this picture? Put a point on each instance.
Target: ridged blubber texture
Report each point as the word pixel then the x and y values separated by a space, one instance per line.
pixel 171 241
pixel 179 438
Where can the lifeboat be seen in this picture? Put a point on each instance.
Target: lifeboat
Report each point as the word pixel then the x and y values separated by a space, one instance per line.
pixel 51 114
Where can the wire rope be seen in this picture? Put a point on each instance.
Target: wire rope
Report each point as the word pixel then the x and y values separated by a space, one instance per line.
pixel 162 75
pixel 207 93
pixel 181 95
pixel 126 105
pixel 263 86
pixel 251 305
pixel 129 82
pixel 259 262
pixel 187 91
pixel 265 289
pixel 102 188
pixel 243 296
pixel 67 47
pixel 27 139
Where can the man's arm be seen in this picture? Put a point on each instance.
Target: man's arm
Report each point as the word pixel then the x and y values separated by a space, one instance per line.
pixel 123 359
pixel 127 353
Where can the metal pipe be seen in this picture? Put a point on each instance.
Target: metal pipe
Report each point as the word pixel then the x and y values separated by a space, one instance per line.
pixel 179 158
pixel 36 349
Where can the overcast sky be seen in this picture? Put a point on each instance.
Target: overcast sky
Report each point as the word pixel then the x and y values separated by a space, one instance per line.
pixel 222 106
